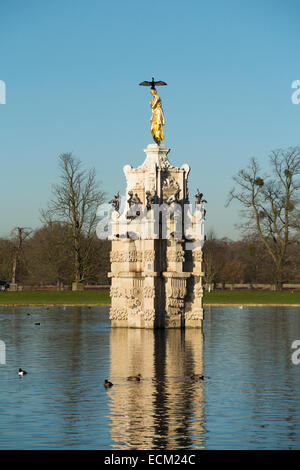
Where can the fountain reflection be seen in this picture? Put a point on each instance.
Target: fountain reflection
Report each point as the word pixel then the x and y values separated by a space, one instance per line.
pixel 165 409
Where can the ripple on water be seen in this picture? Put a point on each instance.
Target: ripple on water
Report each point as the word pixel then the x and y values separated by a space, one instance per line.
pixel 249 398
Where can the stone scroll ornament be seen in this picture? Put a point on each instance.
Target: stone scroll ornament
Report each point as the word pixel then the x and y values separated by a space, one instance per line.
pixel 157 120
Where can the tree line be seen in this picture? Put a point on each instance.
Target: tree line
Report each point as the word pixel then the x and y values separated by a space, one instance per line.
pixel 46 258
pixel 66 251
pixel 247 261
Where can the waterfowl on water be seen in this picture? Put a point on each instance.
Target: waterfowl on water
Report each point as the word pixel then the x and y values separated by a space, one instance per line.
pixel 107 384
pixel 135 378
pixel 22 372
pixel 197 377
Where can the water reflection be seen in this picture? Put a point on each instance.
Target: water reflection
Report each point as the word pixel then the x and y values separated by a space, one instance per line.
pixel 165 409
pixel 249 399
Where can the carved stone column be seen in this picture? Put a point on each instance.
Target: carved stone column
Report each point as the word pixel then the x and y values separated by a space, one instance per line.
pixel 156 282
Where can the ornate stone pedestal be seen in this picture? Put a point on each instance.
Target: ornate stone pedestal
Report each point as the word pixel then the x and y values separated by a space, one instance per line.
pixel 156 257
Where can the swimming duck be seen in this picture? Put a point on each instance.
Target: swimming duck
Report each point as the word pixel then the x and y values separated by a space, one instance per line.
pixel 107 384
pixel 22 372
pixel 135 378
pixel 197 377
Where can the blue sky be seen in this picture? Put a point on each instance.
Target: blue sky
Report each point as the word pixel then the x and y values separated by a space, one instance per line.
pixel 72 69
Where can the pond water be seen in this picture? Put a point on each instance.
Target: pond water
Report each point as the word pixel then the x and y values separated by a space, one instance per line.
pixel 248 400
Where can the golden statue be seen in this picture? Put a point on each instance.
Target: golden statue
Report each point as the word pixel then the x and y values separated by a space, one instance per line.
pixel 157 120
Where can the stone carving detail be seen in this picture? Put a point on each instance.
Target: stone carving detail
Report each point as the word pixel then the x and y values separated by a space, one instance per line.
pixel 132 292
pixel 118 313
pixel 129 293
pixel 175 256
pixel 194 315
pixel 116 292
pixel 151 198
pixel 134 303
pixel 170 188
pixel 178 303
pixel 116 201
pixel 176 292
pixel 172 316
pixel 123 256
pixel 149 314
pixel 198 256
pixel 113 255
pixel 170 183
pixel 149 255
pixel 179 292
pixel 133 199
pixel 148 291
pixel 198 291
pixel 131 256
pixel 164 163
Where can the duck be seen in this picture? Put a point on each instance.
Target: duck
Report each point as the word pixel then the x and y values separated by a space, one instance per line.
pixel 135 378
pixel 107 383
pixel 197 377
pixel 22 372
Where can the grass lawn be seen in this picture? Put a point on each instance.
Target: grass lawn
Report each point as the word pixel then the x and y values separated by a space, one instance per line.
pixel 102 298
pixel 252 297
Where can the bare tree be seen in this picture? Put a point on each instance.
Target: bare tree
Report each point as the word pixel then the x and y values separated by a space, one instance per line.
pixel 49 255
pixel 19 235
pixel 270 204
pixel 211 259
pixel 75 202
pixel 7 250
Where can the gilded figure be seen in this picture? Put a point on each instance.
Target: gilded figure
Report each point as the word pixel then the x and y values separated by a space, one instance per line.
pixel 157 120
